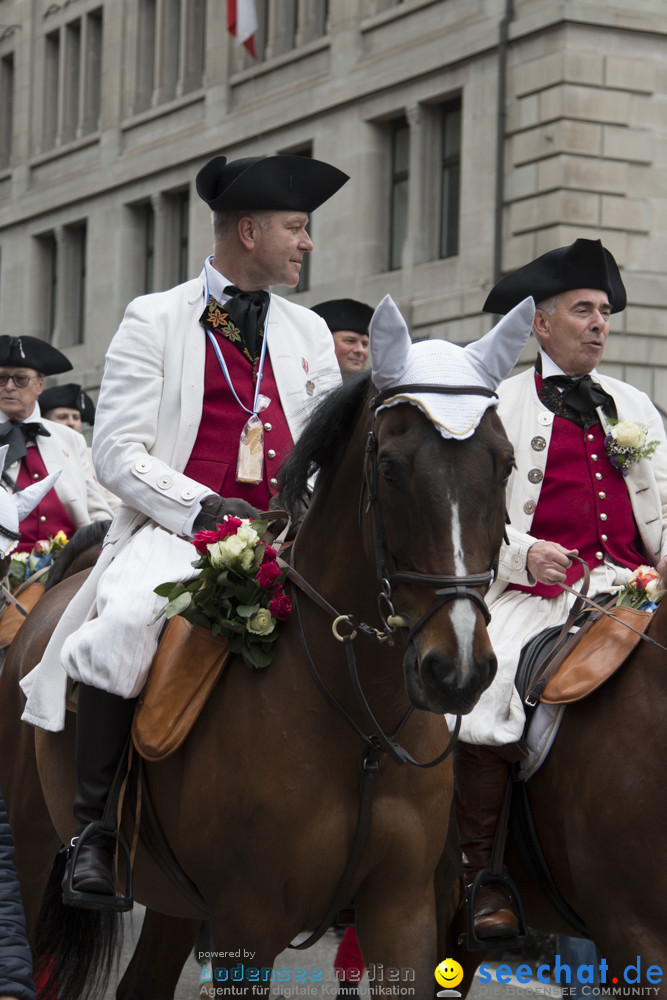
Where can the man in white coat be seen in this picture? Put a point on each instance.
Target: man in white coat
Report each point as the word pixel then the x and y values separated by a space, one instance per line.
pixel 181 386
pixel 39 447
pixel 567 496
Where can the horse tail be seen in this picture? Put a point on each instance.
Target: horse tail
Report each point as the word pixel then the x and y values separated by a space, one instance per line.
pixel 78 949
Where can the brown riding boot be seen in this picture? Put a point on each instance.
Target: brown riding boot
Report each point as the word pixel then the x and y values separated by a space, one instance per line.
pixel 481 778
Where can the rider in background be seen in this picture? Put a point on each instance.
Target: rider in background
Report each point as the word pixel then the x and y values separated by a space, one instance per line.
pixel 564 498
pixel 348 321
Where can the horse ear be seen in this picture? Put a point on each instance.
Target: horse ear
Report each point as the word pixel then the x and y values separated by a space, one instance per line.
pixel 389 344
pixel 28 498
pixel 496 354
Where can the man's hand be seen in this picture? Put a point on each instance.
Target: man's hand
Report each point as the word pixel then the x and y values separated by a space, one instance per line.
pixel 214 508
pixel 548 562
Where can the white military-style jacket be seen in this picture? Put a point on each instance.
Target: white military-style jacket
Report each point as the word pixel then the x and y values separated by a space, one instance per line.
pixel 528 424
pixel 155 366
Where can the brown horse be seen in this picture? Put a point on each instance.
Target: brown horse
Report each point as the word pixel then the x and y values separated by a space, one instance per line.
pixel 600 809
pixel 260 805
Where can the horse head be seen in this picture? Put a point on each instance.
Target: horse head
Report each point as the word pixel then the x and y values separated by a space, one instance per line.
pixel 438 461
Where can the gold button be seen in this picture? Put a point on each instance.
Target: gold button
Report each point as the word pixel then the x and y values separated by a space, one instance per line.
pixel 535 476
pixel 594 457
pixel 599 555
pixel 603 496
pixel 598 475
pixel 268 427
pixel 603 517
pixel 271 453
pixel 35 475
pixel 42 518
pixel 604 537
pixel 590 437
pixel 538 444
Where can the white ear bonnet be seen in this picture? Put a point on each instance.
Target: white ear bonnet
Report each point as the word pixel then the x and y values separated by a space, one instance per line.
pixel 485 363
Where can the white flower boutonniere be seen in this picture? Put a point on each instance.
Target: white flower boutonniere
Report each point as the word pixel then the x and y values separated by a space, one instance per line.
pixel 626 444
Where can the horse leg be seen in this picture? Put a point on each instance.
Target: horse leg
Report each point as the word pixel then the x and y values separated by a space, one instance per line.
pixel 162 950
pixel 397 935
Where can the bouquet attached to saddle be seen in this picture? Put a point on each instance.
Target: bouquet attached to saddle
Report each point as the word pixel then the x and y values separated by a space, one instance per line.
pixel 234 606
pixel 566 663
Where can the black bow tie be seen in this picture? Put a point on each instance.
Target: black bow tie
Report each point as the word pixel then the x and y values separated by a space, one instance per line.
pixel 247 311
pixel 583 394
pixel 16 435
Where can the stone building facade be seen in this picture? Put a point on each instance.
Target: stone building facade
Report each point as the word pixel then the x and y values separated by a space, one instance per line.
pixel 477 134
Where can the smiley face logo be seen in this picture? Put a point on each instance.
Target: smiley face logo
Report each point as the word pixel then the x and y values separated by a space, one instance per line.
pixel 449 973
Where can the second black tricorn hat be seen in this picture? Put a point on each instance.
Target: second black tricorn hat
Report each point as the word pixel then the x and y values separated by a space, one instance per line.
pixel 582 264
pixel 31 352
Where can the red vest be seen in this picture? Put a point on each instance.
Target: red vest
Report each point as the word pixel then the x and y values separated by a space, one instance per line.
pixel 49 516
pixel 584 504
pixel 213 459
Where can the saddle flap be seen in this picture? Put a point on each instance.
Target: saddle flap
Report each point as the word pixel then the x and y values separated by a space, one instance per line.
pixel 600 652
pixel 12 618
pixel 188 662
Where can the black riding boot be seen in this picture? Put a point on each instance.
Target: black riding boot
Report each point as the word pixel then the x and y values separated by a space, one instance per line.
pixel 103 724
pixel 481 778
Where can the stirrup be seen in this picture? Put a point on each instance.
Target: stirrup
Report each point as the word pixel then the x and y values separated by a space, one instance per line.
pixel 118 903
pixel 516 941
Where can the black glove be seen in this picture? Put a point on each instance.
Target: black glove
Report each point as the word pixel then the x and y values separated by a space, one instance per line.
pixel 214 508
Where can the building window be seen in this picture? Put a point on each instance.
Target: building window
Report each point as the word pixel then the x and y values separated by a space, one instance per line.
pixel 450 179
pixel 170 50
pixel 148 244
pixel 72 310
pixel 284 25
pixel 398 212
pixel 177 219
pixel 6 109
pixel 63 264
pixel 72 79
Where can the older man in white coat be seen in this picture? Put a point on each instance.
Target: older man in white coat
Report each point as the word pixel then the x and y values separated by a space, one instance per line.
pixel 566 497
pixel 39 447
pixel 181 387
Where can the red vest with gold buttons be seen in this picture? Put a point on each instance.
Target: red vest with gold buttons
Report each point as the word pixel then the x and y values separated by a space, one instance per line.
pixel 213 459
pixel 49 516
pixel 584 504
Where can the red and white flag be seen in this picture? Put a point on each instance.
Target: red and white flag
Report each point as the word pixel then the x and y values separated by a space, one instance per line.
pixel 242 23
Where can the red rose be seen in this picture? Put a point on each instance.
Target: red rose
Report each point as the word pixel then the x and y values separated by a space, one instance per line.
pixel 203 539
pixel 280 607
pixel 269 553
pixel 267 574
pixel 229 526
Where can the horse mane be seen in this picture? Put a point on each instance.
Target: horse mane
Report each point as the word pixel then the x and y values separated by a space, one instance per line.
pixel 323 439
pixel 82 539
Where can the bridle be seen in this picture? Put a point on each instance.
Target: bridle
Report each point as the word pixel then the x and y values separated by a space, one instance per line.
pixel 447 588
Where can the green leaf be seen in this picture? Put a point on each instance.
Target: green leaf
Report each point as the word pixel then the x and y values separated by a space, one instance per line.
pixel 179 605
pixel 169 590
pixel 247 610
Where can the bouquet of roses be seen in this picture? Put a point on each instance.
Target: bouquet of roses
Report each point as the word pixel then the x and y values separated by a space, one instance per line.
pixel 642 590
pixel 239 592
pixel 24 564
pixel 626 444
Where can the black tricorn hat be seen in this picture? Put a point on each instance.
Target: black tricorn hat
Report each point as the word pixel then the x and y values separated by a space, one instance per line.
pixel 279 183
pixel 31 352
pixel 345 314
pixel 583 264
pixel 70 395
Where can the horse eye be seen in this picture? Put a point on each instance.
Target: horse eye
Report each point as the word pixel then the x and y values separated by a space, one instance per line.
pixel 387 470
pixel 509 467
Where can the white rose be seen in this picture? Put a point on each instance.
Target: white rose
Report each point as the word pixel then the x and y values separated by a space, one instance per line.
pixel 246 559
pixel 248 534
pixel 654 590
pixel 226 551
pixel 263 623
pixel 629 435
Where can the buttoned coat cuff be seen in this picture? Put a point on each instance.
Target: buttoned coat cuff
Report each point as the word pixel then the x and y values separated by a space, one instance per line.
pixel 512 562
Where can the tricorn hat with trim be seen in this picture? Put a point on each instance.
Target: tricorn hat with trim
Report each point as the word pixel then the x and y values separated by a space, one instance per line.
pixel 31 352
pixel 70 395
pixel 345 314
pixel 583 264
pixel 278 183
